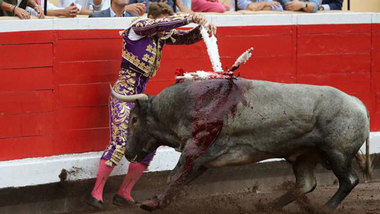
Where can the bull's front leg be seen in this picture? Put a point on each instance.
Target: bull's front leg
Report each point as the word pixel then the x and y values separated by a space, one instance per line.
pixel 190 166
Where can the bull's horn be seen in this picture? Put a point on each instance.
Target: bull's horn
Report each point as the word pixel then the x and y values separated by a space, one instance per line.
pixel 129 98
pixel 134 159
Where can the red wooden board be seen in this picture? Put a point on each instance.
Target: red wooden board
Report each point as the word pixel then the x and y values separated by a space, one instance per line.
pixel 54 84
pixel 334 63
pixel 83 140
pixel 88 49
pixel 334 28
pixel 26 79
pixel 87 34
pixel 87 71
pixel 26 37
pixel 333 43
pixel 95 94
pixel 26 55
pixel 26 102
pixel 26 147
pixel 81 118
pixel 22 125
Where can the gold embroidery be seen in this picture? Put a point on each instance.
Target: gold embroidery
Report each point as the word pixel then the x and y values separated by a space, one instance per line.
pixel 139 24
pixel 130 89
pixel 150 49
pixel 136 62
pixel 122 87
pixel 148 65
pixel 118 154
pixel 146 57
pixel 149 59
pixel 109 147
pixel 131 81
pixel 122 113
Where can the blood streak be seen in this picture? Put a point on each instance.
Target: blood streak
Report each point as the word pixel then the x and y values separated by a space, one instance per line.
pixel 214 101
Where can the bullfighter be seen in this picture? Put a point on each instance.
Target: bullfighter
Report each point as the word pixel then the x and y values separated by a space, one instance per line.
pixel 141 55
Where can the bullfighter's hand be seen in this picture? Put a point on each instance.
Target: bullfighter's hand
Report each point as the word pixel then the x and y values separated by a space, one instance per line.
pixel 199 19
pixel 211 29
pixel 136 8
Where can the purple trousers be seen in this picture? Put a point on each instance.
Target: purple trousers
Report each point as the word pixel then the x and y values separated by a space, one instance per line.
pixel 129 82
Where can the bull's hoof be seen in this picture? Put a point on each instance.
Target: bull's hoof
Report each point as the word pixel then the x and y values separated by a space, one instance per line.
pixel 150 204
pixel 267 207
pixel 261 206
pixel 93 202
pixel 122 202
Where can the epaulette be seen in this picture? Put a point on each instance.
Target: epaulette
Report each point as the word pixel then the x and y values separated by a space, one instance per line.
pixel 137 21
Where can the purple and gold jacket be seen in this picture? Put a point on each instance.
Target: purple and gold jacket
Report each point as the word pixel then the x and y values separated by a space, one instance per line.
pixel 142 44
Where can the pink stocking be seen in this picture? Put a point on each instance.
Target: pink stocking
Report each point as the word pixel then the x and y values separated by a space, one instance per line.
pixel 103 172
pixel 135 171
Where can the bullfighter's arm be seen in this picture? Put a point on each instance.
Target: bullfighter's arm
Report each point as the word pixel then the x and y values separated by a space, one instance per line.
pixel 147 27
pixel 185 37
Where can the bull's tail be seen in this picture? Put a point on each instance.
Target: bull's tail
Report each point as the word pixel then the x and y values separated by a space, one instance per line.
pixel 365 162
pixel 368 161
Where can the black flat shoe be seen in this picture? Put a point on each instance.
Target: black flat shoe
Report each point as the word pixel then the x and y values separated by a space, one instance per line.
pixel 122 202
pixel 95 203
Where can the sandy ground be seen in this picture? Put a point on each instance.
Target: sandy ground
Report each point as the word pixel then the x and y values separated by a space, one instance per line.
pixel 365 198
pixel 238 189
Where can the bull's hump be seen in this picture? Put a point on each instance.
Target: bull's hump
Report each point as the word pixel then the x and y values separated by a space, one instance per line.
pixel 215 99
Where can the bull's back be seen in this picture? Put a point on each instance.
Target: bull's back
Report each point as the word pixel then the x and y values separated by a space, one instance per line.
pixel 278 115
pixel 273 104
pixel 266 113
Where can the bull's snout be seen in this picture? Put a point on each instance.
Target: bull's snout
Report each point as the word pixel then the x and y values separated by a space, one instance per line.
pixel 130 157
pixel 133 158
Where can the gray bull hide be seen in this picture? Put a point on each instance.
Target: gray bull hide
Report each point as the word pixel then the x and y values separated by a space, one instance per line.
pixel 221 122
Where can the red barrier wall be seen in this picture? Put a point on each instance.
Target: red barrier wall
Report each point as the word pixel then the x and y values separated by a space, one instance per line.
pixel 54 84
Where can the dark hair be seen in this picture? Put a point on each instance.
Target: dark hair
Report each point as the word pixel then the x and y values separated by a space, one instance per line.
pixel 158 8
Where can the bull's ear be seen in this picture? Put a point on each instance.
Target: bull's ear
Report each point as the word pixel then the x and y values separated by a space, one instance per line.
pixel 138 105
pixel 143 106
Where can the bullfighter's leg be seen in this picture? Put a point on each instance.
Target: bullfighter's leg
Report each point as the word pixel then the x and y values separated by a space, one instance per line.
pixel 104 170
pixel 128 83
pixel 119 115
pixel 303 169
pixel 135 170
pixel 187 169
pixel 341 164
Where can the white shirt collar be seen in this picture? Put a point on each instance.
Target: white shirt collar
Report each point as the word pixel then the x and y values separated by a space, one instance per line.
pixel 113 14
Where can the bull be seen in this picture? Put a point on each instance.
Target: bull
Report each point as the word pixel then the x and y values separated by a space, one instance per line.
pixel 224 122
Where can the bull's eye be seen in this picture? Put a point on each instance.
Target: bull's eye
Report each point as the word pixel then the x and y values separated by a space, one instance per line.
pixel 133 121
